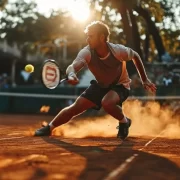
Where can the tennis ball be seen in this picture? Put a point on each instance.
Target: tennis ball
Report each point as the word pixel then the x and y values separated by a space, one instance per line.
pixel 29 68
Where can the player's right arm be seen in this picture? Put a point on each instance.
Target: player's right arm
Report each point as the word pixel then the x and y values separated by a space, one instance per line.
pixel 81 61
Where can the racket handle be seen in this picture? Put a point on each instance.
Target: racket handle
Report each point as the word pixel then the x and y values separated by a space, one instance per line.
pixel 62 80
pixel 93 82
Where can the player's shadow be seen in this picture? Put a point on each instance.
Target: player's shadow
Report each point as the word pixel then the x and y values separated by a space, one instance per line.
pixel 104 158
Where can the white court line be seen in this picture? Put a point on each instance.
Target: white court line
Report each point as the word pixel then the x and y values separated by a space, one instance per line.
pixel 113 175
pixel 11 138
pixel 151 140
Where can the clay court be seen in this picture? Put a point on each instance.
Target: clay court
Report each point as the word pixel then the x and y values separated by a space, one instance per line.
pixel 88 148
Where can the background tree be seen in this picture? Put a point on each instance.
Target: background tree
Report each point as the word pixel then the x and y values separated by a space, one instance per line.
pixel 2 4
pixel 32 31
pixel 143 23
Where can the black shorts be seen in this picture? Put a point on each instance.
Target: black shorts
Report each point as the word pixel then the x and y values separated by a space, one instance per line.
pixel 95 93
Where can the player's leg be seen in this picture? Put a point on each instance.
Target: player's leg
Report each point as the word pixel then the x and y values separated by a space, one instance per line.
pixel 78 107
pixel 112 104
pixel 90 98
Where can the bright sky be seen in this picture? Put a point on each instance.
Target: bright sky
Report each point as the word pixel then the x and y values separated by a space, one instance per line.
pixel 78 8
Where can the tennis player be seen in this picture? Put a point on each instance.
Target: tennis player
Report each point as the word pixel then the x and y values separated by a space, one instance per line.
pixel 107 62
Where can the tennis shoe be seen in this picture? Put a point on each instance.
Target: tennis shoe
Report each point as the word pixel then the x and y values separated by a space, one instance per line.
pixel 44 131
pixel 123 129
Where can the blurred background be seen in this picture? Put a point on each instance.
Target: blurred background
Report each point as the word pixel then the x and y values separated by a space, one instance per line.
pixel 33 31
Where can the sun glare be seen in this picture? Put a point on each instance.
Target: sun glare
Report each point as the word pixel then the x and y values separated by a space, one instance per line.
pixel 79 9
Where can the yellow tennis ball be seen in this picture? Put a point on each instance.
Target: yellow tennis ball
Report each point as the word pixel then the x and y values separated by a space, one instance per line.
pixel 29 68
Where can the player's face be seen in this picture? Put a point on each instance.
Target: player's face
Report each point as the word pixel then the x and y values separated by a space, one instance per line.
pixel 93 39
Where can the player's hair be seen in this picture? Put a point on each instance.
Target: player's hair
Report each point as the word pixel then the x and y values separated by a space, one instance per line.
pixel 99 27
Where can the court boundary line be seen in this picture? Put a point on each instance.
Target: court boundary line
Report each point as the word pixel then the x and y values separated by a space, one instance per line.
pixel 1 139
pixel 117 172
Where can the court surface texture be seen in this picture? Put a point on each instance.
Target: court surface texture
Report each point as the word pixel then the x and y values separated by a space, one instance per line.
pixel 89 157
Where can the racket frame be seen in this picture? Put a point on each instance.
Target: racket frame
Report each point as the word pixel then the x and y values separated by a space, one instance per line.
pixel 42 71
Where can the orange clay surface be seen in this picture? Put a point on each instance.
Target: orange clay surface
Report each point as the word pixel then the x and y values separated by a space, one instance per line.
pixel 24 157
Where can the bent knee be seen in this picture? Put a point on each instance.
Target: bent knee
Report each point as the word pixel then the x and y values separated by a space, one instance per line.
pixel 80 105
pixel 108 104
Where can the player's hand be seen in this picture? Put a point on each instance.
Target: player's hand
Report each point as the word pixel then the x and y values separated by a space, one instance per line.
pixel 149 86
pixel 72 78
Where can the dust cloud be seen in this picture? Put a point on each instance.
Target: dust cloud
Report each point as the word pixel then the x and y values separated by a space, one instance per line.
pixel 148 119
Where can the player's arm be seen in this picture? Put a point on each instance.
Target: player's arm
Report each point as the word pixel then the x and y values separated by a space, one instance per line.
pixel 81 60
pixel 74 67
pixel 148 85
pixel 72 70
pixel 126 54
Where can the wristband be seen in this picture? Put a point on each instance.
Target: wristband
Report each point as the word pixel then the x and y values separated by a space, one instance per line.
pixel 71 73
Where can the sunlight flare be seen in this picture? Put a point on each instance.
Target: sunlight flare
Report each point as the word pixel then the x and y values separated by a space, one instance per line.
pixel 79 9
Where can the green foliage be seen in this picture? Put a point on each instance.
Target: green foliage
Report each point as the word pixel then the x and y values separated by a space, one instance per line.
pixel 14 20
pixel 2 4
pixel 164 15
pixel 23 24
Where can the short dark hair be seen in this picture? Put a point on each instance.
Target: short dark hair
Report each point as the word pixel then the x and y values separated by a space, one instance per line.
pixel 100 27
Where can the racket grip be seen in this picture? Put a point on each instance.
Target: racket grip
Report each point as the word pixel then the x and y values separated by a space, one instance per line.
pixel 93 82
pixel 65 79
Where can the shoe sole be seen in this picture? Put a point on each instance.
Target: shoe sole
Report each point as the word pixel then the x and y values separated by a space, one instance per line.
pixel 39 134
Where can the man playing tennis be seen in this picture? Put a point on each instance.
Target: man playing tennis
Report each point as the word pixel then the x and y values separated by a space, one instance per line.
pixel 107 62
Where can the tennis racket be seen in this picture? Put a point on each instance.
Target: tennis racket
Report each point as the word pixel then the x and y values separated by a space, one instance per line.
pixel 51 74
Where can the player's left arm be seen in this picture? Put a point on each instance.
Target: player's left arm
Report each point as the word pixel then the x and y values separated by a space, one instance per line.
pixel 146 82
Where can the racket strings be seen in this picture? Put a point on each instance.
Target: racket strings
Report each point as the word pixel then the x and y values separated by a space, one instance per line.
pixel 51 74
